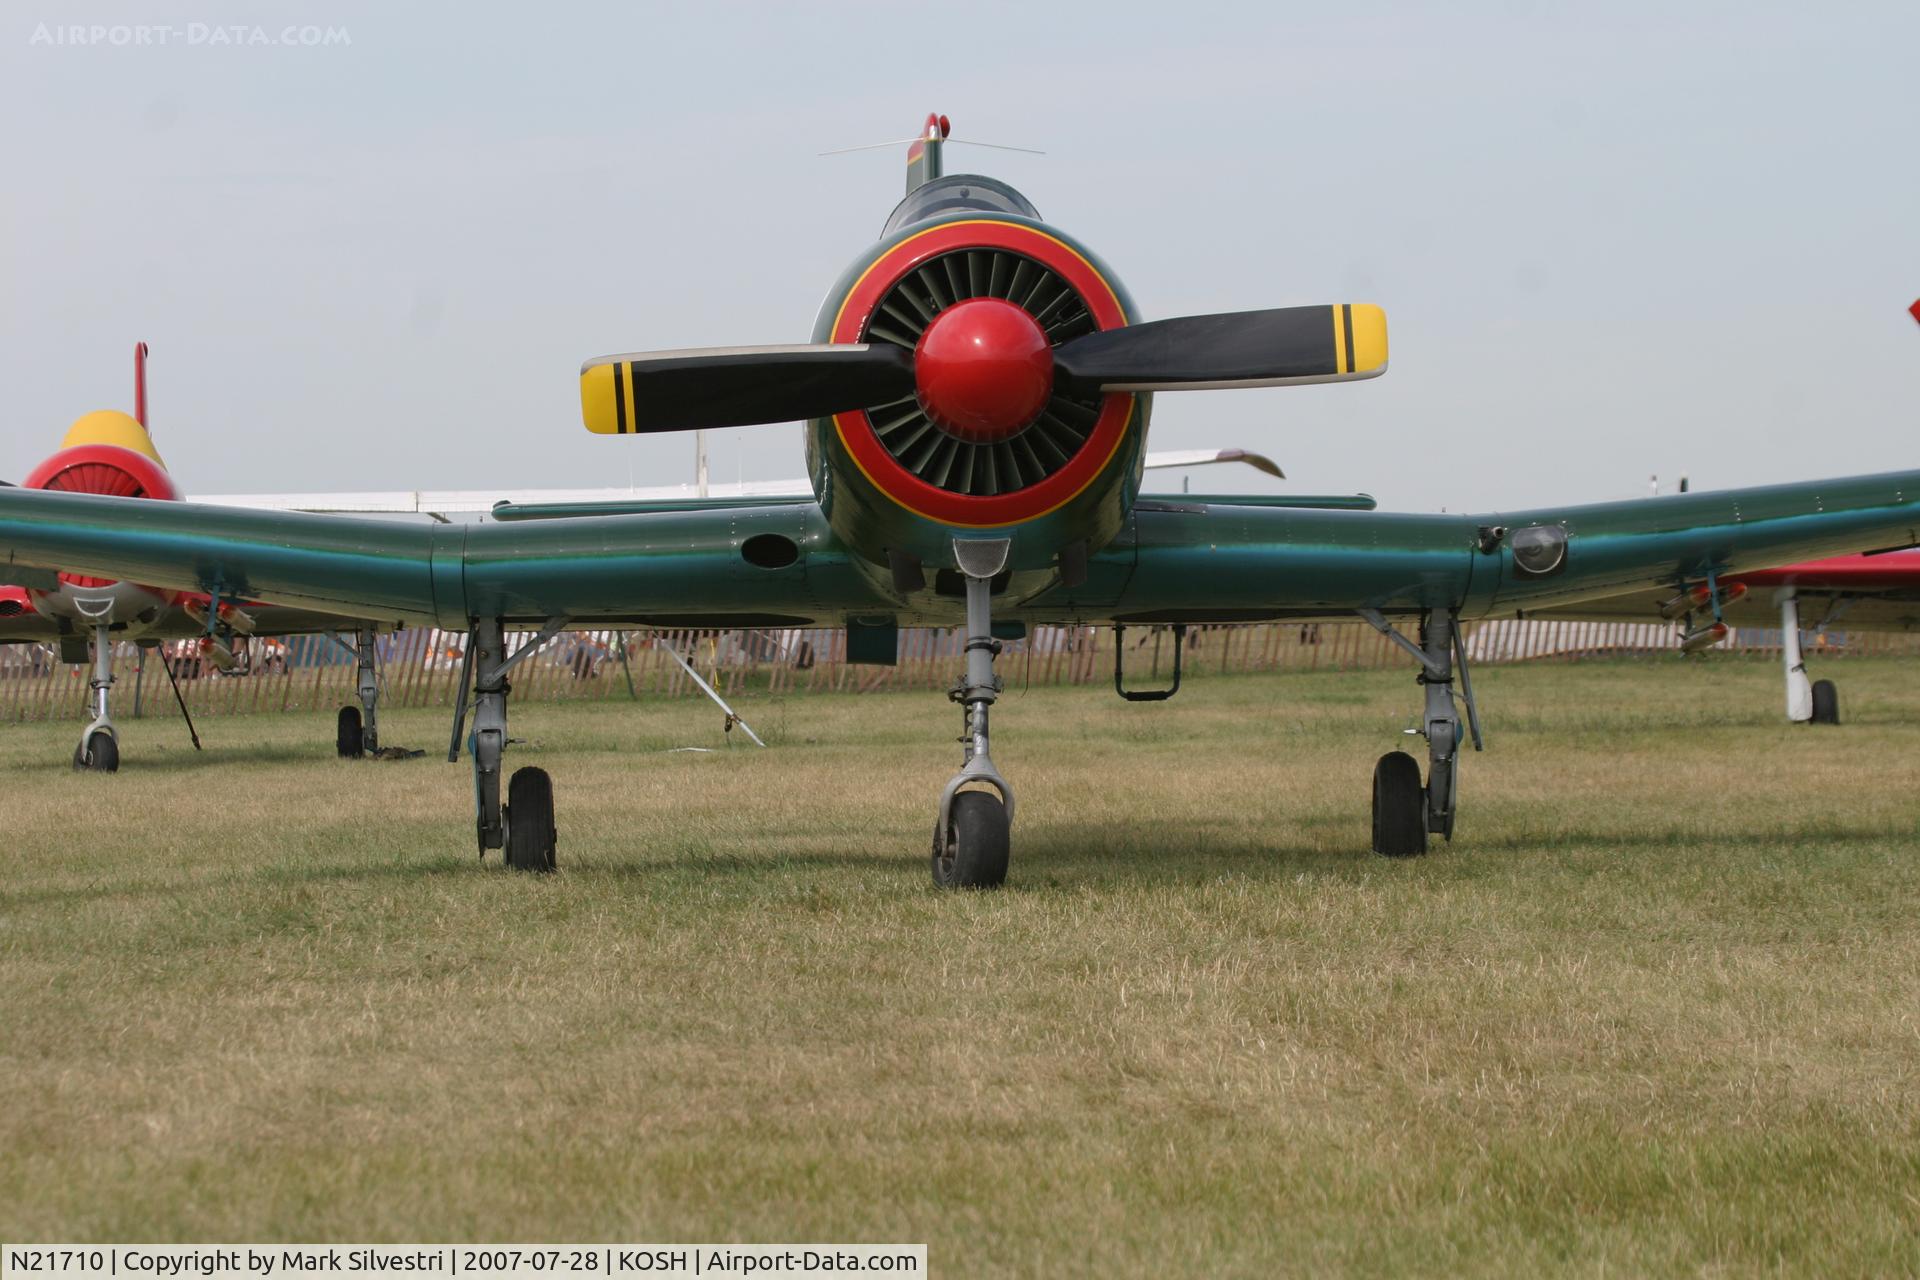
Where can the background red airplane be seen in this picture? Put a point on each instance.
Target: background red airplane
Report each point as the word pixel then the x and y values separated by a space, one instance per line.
pixel 109 453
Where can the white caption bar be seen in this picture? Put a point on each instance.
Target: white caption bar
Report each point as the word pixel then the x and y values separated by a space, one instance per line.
pixel 494 1262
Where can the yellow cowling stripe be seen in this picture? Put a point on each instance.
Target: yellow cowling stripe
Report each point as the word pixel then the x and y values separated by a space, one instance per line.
pixel 1339 340
pixel 110 426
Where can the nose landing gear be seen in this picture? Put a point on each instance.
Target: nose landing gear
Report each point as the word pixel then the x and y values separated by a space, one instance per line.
pixel 99 749
pixel 971 842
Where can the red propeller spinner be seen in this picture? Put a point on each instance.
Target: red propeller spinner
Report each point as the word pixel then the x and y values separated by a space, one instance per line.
pixel 983 369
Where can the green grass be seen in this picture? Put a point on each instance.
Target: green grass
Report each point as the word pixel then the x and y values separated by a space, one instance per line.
pixel 1656 1010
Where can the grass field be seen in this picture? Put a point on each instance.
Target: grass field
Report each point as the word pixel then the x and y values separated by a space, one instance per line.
pixel 1656 1011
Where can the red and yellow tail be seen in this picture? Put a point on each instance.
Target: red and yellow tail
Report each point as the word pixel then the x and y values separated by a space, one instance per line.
pixel 923 154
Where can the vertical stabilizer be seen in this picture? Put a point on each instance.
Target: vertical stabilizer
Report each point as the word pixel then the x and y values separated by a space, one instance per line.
pixel 923 155
pixel 140 383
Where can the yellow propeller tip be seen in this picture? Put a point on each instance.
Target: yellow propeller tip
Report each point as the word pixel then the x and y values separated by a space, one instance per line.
pixel 1369 338
pixel 605 400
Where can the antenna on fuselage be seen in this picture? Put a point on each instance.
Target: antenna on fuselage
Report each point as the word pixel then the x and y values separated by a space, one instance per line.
pixel 924 161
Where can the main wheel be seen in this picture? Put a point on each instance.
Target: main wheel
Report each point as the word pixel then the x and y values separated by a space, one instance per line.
pixel 348 739
pixel 1399 807
pixel 100 755
pixel 1826 702
pixel 530 833
pixel 978 843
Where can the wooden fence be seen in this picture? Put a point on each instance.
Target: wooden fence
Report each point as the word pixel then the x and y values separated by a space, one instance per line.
pixel 422 668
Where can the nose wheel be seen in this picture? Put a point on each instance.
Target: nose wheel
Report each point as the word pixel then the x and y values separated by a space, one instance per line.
pixel 977 846
pixel 99 753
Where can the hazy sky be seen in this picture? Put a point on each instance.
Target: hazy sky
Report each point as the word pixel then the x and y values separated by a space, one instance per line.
pixel 1612 240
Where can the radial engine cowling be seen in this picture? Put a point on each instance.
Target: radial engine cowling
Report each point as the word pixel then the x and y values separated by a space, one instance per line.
pixel 108 454
pixel 990 439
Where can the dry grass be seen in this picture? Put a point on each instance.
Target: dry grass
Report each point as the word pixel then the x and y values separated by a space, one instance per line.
pixel 1657 1011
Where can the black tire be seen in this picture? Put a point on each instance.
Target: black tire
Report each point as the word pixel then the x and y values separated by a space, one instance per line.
pixel 100 755
pixel 1399 807
pixel 530 832
pixel 978 844
pixel 348 739
pixel 1826 702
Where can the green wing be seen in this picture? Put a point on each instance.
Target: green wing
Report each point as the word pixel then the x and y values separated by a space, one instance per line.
pixel 778 565
pixel 1214 561
pixel 729 565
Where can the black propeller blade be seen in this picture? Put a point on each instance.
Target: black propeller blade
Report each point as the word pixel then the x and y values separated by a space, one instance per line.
pixel 1235 349
pixel 739 386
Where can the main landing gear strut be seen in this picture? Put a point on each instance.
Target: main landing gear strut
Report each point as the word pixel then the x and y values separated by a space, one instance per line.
pixel 971 840
pixel 359 727
pixel 99 748
pixel 1808 702
pixel 522 829
pixel 1405 813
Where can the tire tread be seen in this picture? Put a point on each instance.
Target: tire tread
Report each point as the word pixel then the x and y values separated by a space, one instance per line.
pixel 1399 807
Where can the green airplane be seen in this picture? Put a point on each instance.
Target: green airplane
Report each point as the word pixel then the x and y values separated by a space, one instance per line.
pixel 976 398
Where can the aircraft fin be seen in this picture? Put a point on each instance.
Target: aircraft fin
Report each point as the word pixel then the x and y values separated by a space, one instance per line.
pixel 923 153
pixel 140 385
